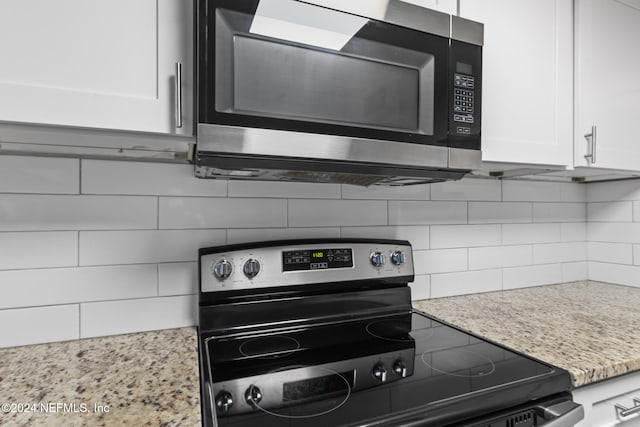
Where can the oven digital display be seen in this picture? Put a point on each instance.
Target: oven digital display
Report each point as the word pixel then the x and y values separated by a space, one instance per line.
pixel 317 387
pixel 317 259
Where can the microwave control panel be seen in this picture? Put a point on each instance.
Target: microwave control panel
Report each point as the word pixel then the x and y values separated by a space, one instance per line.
pixel 463 102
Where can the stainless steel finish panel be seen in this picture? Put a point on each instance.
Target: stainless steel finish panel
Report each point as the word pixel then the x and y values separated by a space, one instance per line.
pixel 467 31
pixel 465 159
pixel 270 142
pixel 302 83
pixel 271 274
pixel 395 12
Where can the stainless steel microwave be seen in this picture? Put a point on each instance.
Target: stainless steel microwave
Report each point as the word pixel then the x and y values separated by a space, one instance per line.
pixel 362 92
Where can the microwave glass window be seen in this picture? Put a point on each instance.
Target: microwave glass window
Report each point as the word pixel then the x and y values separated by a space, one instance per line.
pixel 351 77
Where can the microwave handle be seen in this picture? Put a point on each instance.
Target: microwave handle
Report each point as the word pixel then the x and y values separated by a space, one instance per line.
pixel 565 414
pixel 178 97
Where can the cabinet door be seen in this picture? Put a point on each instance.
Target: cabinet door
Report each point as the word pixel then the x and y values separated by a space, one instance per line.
pixel 93 63
pixel 527 92
pixel 446 6
pixel 600 399
pixel 607 84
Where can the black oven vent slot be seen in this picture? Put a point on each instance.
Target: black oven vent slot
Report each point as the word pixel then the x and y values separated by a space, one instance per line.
pixel 522 419
pixel 526 419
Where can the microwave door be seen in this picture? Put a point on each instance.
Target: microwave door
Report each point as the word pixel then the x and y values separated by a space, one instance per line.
pixel 288 65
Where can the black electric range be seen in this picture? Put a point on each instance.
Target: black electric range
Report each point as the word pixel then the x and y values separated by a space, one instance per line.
pixel 321 333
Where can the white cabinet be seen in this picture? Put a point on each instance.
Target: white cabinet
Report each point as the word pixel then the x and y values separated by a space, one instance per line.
pixel 446 6
pixel 99 64
pixel 599 402
pixel 527 94
pixel 607 83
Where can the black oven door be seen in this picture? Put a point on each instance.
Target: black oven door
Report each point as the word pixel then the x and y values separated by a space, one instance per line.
pixel 295 66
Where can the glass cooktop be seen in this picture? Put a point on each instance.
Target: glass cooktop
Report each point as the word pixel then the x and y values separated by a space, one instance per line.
pixel 406 365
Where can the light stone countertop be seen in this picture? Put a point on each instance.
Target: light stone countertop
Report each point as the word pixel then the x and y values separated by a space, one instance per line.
pixel 144 379
pixel 591 329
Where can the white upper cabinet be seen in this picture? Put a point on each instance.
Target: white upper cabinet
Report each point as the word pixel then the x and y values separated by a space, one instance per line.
pixel 94 63
pixel 446 6
pixel 607 83
pixel 527 94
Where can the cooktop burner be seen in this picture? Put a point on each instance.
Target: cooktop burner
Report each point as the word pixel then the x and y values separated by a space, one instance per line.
pixel 390 329
pixel 269 346
pixel 458 362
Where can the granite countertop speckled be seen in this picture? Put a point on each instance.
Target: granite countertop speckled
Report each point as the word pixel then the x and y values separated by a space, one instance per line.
pixel 144 379
pixel 590 329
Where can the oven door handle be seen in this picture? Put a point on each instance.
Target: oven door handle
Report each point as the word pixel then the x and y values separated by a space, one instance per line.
pixel 564 414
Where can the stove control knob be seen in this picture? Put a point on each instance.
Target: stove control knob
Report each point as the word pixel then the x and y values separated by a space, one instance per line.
pixel 251 268
pixel 253 395
pixel 377 259
pixel 379 373
pixel 223 269
pixel 224 402
pixel 400 368
pixel 397 257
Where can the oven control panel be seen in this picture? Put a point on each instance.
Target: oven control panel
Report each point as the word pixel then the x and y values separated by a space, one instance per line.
pixel 299 264
pixel 317 259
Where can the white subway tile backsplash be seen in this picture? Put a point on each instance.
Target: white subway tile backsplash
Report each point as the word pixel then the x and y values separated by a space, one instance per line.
pixel 22 288
pixel 628 275
pixel 439 261
pixel 636 254
pixel 136 228
pixel 559 212
pixel 573 231
pixel 500 256
pixel 613 191
pixel 245 235
pixel 45 212
pixel 410 192
pixel 111 177
pixel 43 175
pixel 178 278
pixel 283 190
pixel 145 246
pixel 38 249
pixel 618 253
pixel 417 235
pixel 423 213
pixel 610 212
pixel 461 236
pixel 575 271
pixel 38 325
pixel 420 288
pixel 318 213
pixel 616 232
pixel 531 191
pixel 573 192
pixel 499 212
pixel 636 211
pixel 467 189
pixel 520 234
pixel 468 282
pixel 199 212
pixel 550 253
pixel 521 277
pixel 136 315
